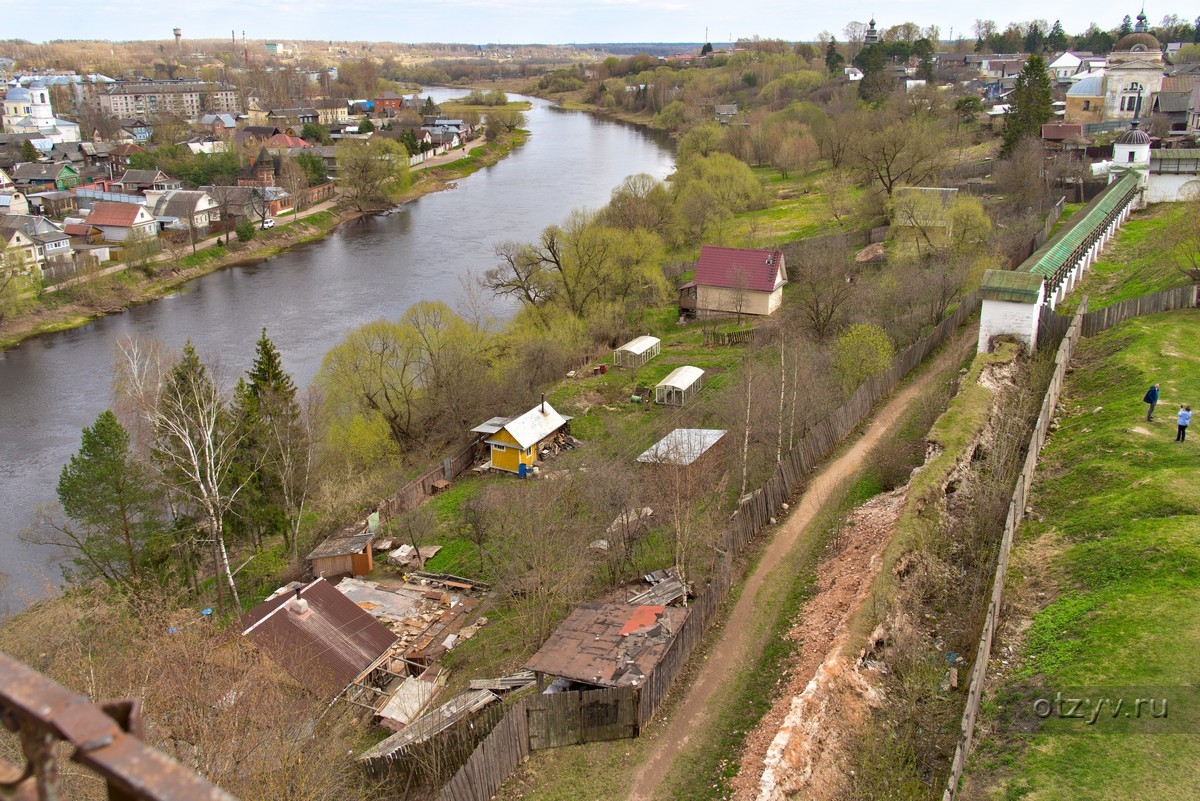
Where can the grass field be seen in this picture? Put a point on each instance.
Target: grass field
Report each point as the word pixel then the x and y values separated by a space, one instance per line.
pixel 1133 264
pixel 1110 561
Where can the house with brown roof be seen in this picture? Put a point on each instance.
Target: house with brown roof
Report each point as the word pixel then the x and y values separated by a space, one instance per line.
pixel 183 209
pixel 137 181
pixel 607 645
pixel 320 637
pixel 121 221
pixel 38 175
pixel 735 281
pixel 388 101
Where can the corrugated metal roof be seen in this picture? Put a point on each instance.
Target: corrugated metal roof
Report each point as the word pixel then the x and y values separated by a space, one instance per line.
pixel 342 544
pixel 324 648
pixel 491 426
pixel 640 345
pixel 1016 287
pixel 734 268
pixel 1053 256
pixel 423 728
pixel 683 446
pixel 681 377
pixel 535 425
pixel 1175 154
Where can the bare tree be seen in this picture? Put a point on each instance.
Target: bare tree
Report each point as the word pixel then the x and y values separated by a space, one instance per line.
pixel 294 181
pixel 823 274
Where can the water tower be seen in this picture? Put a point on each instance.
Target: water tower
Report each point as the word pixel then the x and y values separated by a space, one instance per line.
pixel 178 38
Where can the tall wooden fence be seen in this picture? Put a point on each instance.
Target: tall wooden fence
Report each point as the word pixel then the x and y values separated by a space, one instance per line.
pixel 412 494
pixel 1182 297
pixel 508 744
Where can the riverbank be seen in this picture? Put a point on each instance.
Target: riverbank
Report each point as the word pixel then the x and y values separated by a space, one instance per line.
pixel 116 288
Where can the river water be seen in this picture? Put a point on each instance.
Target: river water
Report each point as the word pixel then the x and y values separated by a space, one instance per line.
pixel 308 299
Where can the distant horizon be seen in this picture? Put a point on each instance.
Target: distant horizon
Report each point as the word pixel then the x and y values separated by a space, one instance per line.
pixel 538 22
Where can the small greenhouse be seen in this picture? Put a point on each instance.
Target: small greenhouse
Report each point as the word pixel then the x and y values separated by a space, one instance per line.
pixel 679 387
pixel 637 352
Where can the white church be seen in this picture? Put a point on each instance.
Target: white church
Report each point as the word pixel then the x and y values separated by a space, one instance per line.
pixel 29 111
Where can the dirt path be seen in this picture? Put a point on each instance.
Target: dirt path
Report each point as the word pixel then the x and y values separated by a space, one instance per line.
pixel 692 713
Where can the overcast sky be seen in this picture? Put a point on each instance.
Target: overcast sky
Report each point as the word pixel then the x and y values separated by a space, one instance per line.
pixel 527 21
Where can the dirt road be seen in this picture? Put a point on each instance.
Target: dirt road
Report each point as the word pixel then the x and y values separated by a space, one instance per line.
pixel 692 713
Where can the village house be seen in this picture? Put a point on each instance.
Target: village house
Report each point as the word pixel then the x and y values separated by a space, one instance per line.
pixel 139 181
pixel 219 123
pixel 321 638
pixel 250 202
pixel 52 245
pixel 386 102
pixel 13 202
pixel 182 209
pixel 119 222
pixel 332 110
pixel 134 130
pixel 20 251
pixel 296 117
pixel 735 281
pixel 38 175
pixel 516 442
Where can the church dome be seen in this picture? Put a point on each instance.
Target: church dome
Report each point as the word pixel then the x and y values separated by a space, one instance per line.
pixel 1134 136
pixel 18 95
pixel 1138 42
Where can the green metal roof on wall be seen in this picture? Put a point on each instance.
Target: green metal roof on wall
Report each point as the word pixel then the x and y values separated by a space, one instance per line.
pixel 1052 256
pixel 1015 287
pixel 1178 153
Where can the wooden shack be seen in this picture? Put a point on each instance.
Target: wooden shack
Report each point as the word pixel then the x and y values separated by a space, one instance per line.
pixel 347 553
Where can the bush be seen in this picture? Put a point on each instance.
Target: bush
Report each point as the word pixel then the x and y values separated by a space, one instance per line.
pixel 245 231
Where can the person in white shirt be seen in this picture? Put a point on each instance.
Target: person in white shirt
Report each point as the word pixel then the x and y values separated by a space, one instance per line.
pixel 1185 417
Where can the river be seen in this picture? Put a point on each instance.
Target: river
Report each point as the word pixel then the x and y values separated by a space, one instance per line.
pixel 308 299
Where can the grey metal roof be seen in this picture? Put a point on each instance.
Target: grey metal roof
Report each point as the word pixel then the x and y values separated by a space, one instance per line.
pixel 1088 87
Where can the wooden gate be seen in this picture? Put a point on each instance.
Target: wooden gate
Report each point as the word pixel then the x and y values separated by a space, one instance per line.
pixel 574 718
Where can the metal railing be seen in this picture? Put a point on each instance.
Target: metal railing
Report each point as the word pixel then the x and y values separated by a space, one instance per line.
pixel 106 740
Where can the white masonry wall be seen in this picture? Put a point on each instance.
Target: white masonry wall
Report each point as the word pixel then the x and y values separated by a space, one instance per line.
pixel 1018 320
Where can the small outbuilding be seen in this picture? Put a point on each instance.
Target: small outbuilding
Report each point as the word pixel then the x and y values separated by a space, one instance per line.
pixel 637 352
pixel 608 644
pixel 735 281
pixel 680 386
pixel 683 446
pixel 346 553
pixel 516 442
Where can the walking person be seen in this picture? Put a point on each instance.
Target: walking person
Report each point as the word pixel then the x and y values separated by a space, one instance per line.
pixel 1152 399
pixel 1185 417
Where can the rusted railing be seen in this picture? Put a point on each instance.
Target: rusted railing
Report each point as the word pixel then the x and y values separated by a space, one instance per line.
pixel 106 739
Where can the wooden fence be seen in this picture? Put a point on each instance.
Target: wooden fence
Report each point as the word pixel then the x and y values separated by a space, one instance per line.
pixel 492 762
pixel 588 716
pixel 413 494
pixel 1182 297
pixel 1016 512
pixel 496 757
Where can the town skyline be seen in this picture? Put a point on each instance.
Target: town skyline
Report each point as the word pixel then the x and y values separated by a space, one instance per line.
pixel 545 22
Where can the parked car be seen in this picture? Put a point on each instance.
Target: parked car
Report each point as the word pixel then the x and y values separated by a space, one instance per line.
pixel 268 223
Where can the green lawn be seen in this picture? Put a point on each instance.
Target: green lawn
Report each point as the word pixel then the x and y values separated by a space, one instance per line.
pixel 1111 556
pixel 798 209
pixel 1133 264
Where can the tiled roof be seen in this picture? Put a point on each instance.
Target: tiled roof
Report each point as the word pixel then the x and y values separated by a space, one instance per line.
pixel 733 268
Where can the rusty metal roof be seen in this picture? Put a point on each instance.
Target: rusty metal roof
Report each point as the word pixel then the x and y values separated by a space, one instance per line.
pixel 609 644
pixel 325 647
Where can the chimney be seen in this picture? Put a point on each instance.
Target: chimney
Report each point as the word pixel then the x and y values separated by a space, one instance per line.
pixel 299 605
pixel 543 403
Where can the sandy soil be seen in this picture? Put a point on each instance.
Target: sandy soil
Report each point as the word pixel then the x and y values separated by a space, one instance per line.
pixel 693 711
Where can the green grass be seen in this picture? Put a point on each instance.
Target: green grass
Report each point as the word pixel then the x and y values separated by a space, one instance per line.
pixel 1114 534
pixel 799 209
pixel 1133 264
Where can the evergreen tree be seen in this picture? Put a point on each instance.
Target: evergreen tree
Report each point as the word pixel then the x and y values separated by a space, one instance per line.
pixel 1032 104
pixel 28 151
pixel 430 107
pixel 833 59
pixel 366 126
pixel 1057 38
pixel 113 500
pixel 1034 39
pixel 1126 26
pixel 708 48
pixel 265 407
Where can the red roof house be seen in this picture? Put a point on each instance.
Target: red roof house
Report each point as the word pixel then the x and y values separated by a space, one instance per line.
pixel 119 221
pixel 284 140
pixel 737 281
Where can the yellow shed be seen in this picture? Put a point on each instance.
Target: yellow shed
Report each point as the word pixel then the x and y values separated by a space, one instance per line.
pixel 516 442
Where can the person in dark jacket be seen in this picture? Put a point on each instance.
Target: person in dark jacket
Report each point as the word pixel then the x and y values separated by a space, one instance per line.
pixel 1152 399
pixel 1185 417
